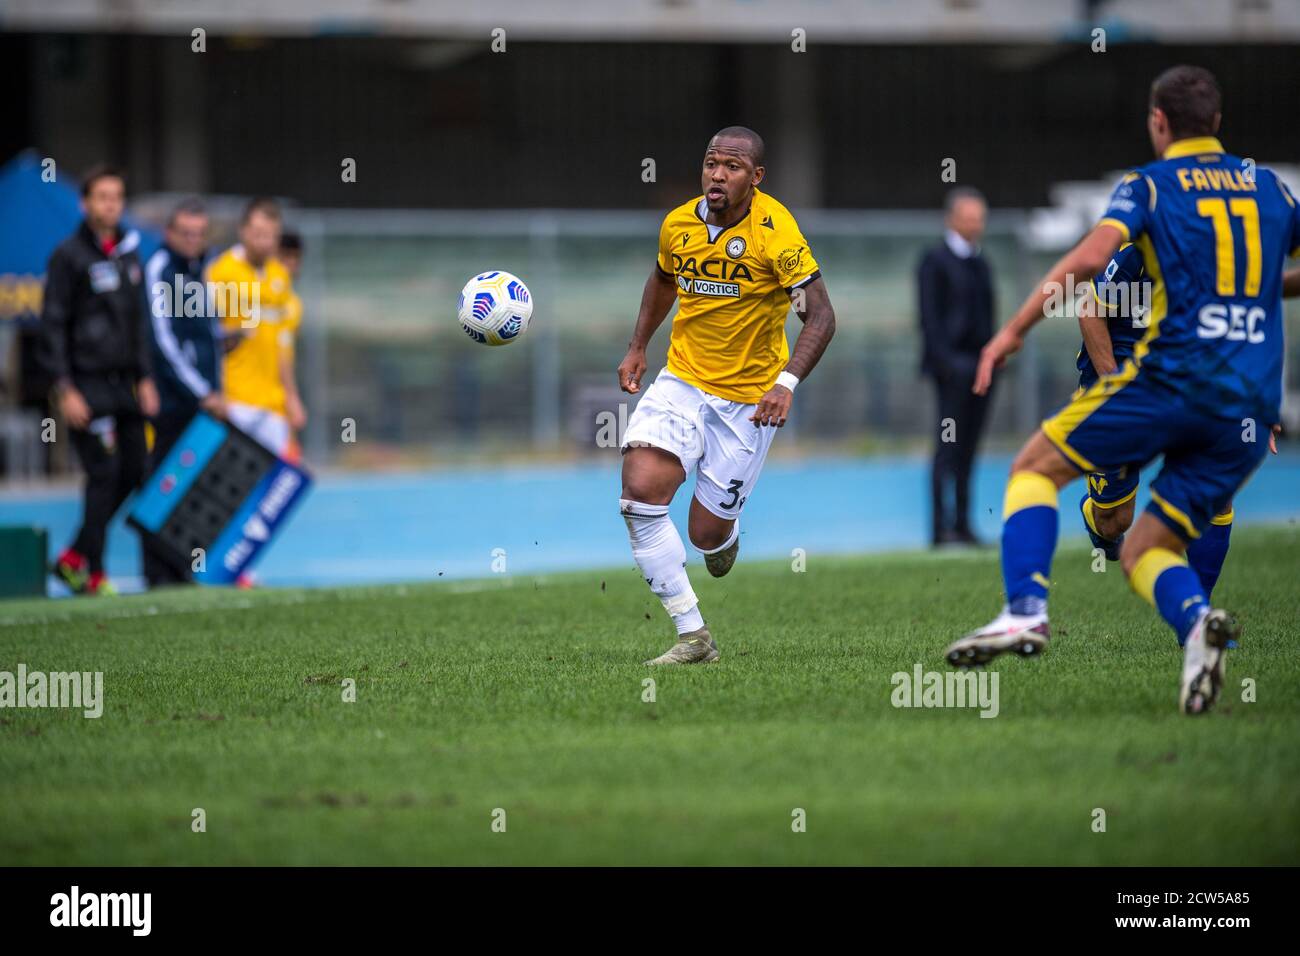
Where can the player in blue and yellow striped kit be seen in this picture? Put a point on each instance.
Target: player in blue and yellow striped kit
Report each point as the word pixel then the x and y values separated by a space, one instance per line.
pixel 1203 386
pixel 1112 321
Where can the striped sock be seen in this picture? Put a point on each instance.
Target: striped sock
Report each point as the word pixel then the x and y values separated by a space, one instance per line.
pixel 1029 528
pixel 1165 580
pixel 1208 552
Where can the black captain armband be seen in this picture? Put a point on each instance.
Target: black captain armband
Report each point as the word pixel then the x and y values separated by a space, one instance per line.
pixel 804 281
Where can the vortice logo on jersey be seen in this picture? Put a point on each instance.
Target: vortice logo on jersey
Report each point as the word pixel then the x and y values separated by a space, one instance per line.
pixel 1236 323
pixel 736 247
pixel 722 290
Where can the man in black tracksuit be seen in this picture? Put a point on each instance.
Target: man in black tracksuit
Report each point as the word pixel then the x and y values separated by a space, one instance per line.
pixel 955 298
pixel 185 357
pixel 94 345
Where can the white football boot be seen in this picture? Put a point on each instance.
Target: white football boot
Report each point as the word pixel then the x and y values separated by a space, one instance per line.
pixel 1203 659
pixel 693 647
pixel 1023 634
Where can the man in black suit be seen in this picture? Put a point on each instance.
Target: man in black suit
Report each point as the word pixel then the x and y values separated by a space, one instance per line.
pixel 955 299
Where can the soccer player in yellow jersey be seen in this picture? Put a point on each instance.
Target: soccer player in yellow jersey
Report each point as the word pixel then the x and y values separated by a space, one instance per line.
pixel 258 309
pixel 290 255
pixel 735 263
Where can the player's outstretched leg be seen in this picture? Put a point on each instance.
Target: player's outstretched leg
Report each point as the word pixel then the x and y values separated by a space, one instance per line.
pixel 1029 530
pixel 1208 552
pixel 657 547
pixel 1158 572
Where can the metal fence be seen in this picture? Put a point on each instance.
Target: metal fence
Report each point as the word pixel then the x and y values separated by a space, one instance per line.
pixel 389 378
pixel 382 346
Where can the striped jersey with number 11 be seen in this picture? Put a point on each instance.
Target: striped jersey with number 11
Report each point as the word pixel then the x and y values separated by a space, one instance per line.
pixel 1214 232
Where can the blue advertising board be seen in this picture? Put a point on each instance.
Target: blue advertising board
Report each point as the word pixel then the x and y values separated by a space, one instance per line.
pixel 217 500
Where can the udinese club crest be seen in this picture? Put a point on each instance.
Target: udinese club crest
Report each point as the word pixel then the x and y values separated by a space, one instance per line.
pixel 736 247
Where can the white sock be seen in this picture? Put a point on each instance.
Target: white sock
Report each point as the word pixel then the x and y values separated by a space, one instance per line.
pixel 661 556
pixel 731 539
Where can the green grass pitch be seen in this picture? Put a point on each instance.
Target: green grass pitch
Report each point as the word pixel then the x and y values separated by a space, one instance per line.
pixel 526 694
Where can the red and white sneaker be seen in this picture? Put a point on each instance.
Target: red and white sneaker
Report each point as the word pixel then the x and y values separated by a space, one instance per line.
pixel 1023 634
pixel 1203 660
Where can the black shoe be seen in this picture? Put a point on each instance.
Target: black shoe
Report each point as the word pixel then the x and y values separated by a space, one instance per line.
pixel 944 539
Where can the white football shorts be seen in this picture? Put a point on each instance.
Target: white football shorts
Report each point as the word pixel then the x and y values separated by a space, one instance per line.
pixel 269 429
pixel 706 433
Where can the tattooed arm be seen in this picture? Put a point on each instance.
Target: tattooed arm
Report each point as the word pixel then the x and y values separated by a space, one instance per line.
pixel 812 303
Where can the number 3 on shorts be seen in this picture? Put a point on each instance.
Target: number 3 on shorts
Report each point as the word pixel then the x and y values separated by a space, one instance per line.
pixel 734 488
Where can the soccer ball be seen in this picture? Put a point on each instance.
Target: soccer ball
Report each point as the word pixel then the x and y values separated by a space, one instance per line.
pixel 495 308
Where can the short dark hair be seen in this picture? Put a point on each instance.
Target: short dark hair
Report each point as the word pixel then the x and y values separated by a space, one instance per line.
pixel 757 148
pixel 262 204
pixel 957 194
pixel 1189 97
pixel 290 241
pixel 193 206
pixel 97 172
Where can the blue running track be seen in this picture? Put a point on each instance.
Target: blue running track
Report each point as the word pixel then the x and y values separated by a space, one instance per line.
pixel 368 528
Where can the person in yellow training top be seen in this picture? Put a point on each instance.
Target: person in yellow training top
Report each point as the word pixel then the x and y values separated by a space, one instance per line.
pixel 290 254
pixel 259 311
pixel 735 262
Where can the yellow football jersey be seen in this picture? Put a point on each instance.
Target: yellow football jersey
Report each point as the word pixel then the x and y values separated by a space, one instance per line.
pixel 250 372
pixel 728 337
pixel 292 322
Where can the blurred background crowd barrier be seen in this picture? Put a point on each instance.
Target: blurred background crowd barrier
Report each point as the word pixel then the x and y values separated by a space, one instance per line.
pixel 391 379
pixel 550 139
pixel 384 348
